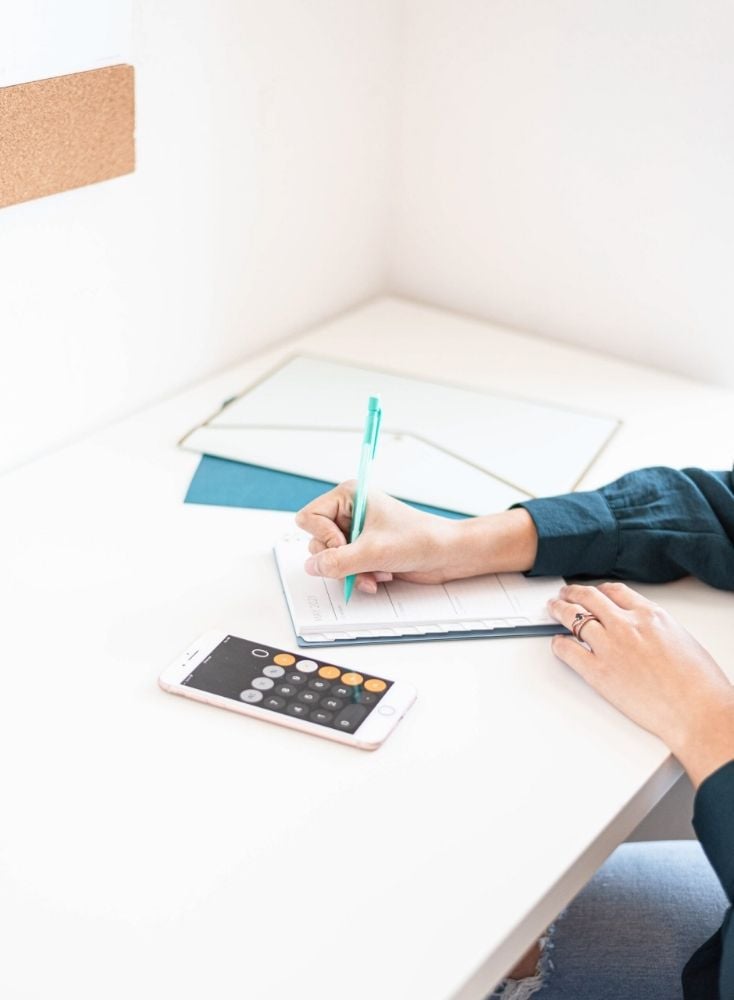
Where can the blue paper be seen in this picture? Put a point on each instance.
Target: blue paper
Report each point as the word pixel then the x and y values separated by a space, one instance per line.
pixel 224 483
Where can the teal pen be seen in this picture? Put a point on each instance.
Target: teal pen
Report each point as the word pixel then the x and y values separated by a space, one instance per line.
pixel 369 446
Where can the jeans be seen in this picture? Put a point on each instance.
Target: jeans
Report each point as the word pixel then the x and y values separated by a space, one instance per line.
pixel 631 930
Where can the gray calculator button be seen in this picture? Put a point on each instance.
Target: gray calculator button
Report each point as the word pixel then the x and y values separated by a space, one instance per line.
pixel 262 683
pixel 294 678
pixel 251 697
pixel 318 684
pixel 319 715
pixel 365 698
pixel 285 690
pixel 350 717
pixel 273 671
pixel 274 702
pixel 296 708
pixel 340 691
pixel 307 666
pixel 333 704
pixel 309 697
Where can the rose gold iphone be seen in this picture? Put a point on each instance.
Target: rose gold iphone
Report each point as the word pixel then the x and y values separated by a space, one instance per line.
pixel 290 689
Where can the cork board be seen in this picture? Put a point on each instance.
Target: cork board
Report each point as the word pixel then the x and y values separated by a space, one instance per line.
pixel 66 132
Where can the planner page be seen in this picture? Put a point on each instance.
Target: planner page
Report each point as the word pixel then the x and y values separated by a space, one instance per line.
pixel 318 609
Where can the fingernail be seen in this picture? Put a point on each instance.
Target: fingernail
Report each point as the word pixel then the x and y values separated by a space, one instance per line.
pixel 367 587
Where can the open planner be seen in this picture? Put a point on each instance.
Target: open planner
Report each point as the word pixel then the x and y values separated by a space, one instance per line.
pixel 485 606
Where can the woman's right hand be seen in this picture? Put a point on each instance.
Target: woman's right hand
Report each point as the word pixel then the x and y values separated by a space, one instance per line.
pixel 649 667
pixel 398 540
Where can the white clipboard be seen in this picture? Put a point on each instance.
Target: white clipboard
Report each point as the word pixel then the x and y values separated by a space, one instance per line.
pixel 448 446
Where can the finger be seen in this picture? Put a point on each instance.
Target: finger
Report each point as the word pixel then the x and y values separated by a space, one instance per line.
pixel 366 582
pixel 576 656
pixel 591 599
pixel 337 563
pixel 623 596
pixel 329 516
pixel 315 546
pixel 323 529
pixel 565 613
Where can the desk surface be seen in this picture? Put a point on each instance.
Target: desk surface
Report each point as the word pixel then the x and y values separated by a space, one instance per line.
pixel 155 847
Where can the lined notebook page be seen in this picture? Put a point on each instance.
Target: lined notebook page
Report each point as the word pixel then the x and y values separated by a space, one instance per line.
pixel 399 608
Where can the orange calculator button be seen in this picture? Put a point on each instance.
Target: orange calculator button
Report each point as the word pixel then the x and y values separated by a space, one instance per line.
pixel 329 673
pixel 352 679
pixel 284 659
pixel 375 685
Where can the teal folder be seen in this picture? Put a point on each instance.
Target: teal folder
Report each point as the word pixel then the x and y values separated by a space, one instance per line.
pixel 223 483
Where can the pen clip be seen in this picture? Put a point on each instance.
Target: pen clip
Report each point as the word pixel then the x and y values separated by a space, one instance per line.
pixel 377 430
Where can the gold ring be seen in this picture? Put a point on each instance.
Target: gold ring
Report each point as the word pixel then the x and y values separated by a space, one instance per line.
pixel 579 621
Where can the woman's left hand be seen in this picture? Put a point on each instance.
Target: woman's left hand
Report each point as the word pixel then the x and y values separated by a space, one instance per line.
pixel 648 666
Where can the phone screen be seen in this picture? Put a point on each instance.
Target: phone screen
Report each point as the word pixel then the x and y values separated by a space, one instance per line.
pixel 285 683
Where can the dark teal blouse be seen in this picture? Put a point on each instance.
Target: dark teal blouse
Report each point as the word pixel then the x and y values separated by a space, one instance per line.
pixel 655 525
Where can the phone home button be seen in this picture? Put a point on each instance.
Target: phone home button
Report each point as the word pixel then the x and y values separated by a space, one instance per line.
pixel 386 710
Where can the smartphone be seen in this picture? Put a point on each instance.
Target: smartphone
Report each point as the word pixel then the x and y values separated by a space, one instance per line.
pixel 290 689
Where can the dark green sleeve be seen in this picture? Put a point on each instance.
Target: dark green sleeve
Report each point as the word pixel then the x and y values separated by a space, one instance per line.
pixel 713 820
pixel 713 964
pixel 653 525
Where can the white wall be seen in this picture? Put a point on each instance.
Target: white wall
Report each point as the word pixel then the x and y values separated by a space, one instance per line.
pixel 258 207
pixel 48 39
pixel 556 165
pixel 567 167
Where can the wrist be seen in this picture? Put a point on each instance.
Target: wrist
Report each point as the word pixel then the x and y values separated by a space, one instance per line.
pixel 495 543
pixel 705 740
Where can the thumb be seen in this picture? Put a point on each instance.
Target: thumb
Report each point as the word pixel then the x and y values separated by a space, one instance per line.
pixel 339 562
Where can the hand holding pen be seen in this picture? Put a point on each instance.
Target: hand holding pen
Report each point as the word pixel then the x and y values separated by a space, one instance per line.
pixel 399 541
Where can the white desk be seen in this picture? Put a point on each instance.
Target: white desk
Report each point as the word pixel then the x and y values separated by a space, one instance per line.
pixel 152 847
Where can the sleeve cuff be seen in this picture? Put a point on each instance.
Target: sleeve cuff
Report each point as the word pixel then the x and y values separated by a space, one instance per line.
pixel 713 821
pixel 578 535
